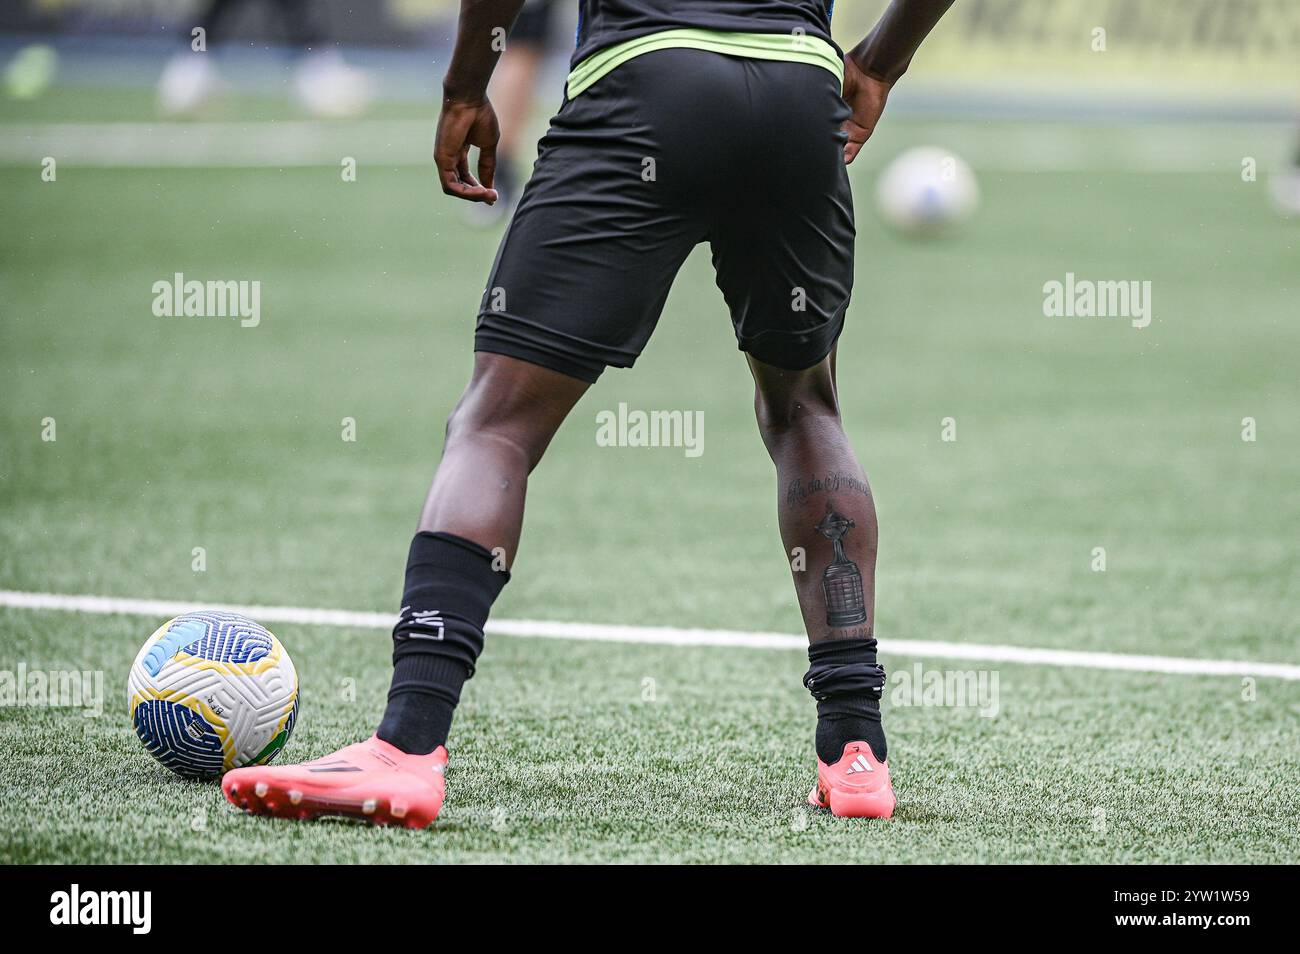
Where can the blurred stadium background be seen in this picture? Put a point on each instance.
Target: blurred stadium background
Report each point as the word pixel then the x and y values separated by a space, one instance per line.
pixel 1191 60
pixel 1128 163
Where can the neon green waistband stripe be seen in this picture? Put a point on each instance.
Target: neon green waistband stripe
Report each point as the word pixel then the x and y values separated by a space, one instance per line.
pixel 755 46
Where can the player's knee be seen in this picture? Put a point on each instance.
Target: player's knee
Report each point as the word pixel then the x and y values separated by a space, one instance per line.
pixel 477 417
pixel 473 418
pixel 459 422
pixel 794 410
pixel 793 401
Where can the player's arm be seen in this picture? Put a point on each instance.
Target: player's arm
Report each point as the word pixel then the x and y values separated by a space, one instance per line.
pixel 873 66
pixel 467 117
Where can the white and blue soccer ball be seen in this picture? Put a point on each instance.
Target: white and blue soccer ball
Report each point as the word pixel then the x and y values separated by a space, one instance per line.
pixel 927 191
pixel 210 692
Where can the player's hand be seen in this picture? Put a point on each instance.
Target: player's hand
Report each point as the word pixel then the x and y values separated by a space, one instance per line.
pixel 866 98
pixel 461 125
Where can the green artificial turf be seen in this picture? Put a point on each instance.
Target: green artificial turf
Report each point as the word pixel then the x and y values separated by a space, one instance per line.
pixel 1072 434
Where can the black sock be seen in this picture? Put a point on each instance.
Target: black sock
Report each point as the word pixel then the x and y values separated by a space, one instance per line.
pixel 847 682
pixel 421 701
pixel 450 588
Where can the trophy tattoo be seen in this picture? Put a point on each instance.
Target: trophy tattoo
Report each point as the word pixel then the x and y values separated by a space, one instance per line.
pixel 841 583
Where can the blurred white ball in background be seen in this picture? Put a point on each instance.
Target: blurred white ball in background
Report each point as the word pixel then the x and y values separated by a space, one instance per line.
pixel 927 191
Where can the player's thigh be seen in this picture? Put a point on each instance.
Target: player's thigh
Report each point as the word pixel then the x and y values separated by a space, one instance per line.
pixel 585 266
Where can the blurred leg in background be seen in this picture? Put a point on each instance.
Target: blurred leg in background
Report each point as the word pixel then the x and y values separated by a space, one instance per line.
pixel 512 89
pixel 1284 186
pixel 324 84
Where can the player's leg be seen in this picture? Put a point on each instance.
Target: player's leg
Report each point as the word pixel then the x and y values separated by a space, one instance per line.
pixel 827 519
pixel 457 565
pixel 578 285
pixel 495 437
pixel 579 281
pixel 785 267
pixel 819 479
pixel 469 532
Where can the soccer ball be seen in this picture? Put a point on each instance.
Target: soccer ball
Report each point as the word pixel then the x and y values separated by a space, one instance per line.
pixel 210 692
pixel 927 191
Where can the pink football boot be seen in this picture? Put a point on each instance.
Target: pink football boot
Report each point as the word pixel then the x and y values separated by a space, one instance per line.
pixel 371 780
pixel 857 786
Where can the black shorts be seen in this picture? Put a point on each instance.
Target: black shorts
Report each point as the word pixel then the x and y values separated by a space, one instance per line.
pixel 671 149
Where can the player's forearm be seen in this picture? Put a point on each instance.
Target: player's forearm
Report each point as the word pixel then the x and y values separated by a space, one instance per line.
pixel 480 38
pixel 887 50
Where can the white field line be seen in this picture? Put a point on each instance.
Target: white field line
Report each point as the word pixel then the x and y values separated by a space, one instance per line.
pixel 409 142
pixel 260 143
pixel 661 635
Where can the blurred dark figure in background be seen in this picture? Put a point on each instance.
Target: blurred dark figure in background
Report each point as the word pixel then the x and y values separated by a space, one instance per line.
pixel 1285 186
pixel 322 81
pixel 531 39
